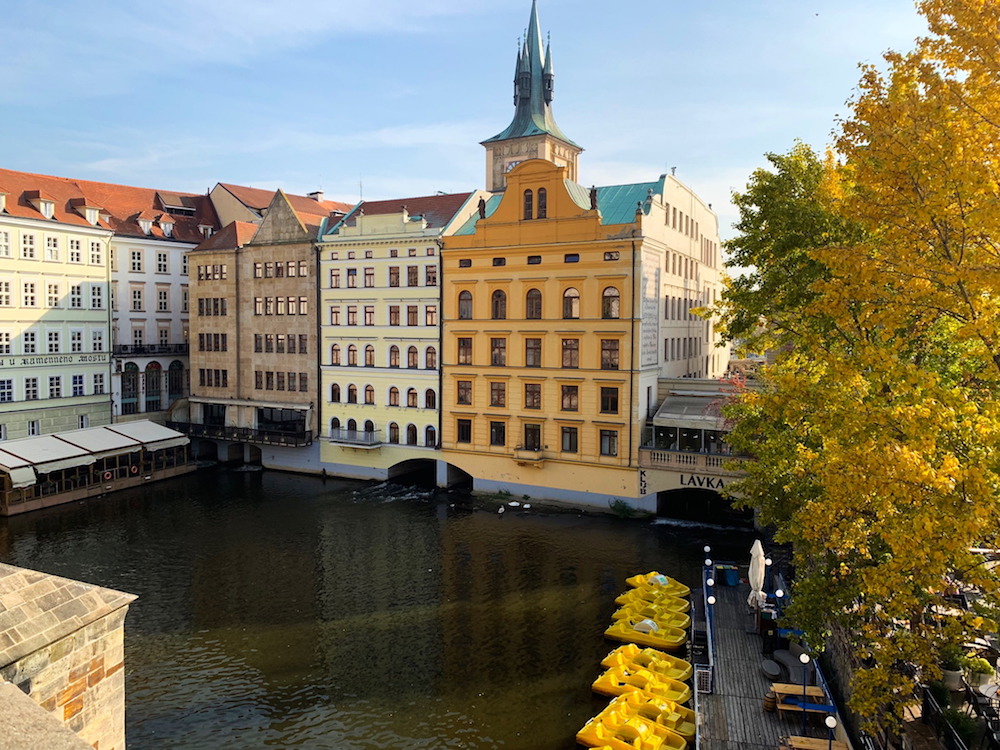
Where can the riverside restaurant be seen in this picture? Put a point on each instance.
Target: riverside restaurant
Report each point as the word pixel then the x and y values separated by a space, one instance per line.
pixel 38 472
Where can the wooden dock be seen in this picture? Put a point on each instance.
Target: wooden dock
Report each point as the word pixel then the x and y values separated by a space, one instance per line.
pixel 732 717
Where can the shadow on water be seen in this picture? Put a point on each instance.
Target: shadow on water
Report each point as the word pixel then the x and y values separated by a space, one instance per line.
pixel 278 610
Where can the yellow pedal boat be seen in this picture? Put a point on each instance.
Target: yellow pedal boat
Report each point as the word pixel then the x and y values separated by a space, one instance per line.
pixel 646 632
pixel 675 717
pixel 659 582
pixel 652 596
pixel 622 728
pixel 631 656
pixel 662 617
pixel 618 680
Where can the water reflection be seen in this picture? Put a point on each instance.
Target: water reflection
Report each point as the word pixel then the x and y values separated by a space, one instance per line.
pixel 279 611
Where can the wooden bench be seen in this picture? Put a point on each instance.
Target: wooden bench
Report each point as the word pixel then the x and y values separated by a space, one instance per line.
pixel 797 742
pixel 788 697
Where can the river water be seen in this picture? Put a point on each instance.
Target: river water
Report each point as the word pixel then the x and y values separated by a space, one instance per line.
pixel 277 610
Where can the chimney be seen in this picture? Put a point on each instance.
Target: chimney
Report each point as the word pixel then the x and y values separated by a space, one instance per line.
pixel 316 195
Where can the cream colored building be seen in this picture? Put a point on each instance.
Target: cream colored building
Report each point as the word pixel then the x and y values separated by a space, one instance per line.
pixel 54 307
pixel 380 281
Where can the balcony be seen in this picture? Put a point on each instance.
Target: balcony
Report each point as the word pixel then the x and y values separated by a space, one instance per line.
pixel 529 456
pixel 295 439
pixel 701 463
pixel 355 439
pixel 143 350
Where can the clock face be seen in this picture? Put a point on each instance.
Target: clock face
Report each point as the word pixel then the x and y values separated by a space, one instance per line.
pixel 512 164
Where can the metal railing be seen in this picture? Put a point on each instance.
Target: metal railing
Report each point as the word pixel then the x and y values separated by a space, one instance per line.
pixel 353 437
pixel 291 438
pixel 135 350
pixel 708 463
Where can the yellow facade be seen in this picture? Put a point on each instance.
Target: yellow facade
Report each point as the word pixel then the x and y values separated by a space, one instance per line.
pixel 539 392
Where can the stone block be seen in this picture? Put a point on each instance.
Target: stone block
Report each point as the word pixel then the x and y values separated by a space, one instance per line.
pixel 71 709
pixel 74 690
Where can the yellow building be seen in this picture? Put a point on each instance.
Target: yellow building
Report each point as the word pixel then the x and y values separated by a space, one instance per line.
pixel 379 316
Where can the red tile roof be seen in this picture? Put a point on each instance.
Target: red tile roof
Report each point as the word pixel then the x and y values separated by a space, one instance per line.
pixel 234 235
pixel 259 199
pixel 438 210
pixel 120 205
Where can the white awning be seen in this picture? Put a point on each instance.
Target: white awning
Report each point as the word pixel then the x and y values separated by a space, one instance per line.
pixel 22 476
pixel 47 449
pixel 153 436
pixel 66 463
pixel 101 442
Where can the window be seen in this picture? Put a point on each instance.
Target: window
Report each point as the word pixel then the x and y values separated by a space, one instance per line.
pixel 393 432
pixel 570 398
pixel 463 393
pixel 137 299
pixel 29 342
pixel 98 383
pixel 75 341
pixel 570 440
pixel 352 278
pixel 411 434
pixel 27 246
pixel 52 295
pixel 465 263
pixel 499 261
pixel 394 396
pixel 393 356
pixel 5 244
pixel 411 398
pixel 77 385
pixel 369 314
pixel 533 437
pixel 76 296
pixel 430 275
pixel 96 298
pixel 411 315
pixel 334 315
pixel 51 248
pixel 161 263
pixel 609 354
pixel 465 305
pixel 352 356
pixel 430 399
pixel 464 351
pixel 29 296
pixel 430 437
pixel 334 278
pixel 34 428
pixel 542 204
pixel 31 389
pixel 431 358
pixel 498 305
pixel 185 299
pixel 135 260
pixel 534 260
pixel 352 392
pixel 571 352
pixel 5 294
pixel 369 277
pixel 335 393
pixel 369 394
pixel 609 400
pixel 571 258
pixel 610 303
pixel 52 341
pixel 498 433
pixel 609 442
pixel 369 356
pixel 533 305
pixel 352 315
pixel 97 340
pixel 6 390
pixel 334 353
pixel 162 300
pixel 97 255
pixel 412 358
pixel 393 275
pixel 303 306
pixel 532 395
pixel 498 394
pixel 463 430
pixel 430 315
pixel 571 304
pixel 612 255
pixel 413 276
pixel 498 352
pixel 529 208
pixel 394 315
pixel 5 338
pixel 532 352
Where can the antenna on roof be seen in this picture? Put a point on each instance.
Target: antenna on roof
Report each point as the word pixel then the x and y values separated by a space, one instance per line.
pixel 361 190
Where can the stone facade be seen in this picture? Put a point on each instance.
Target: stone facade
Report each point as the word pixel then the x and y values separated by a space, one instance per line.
pixel 62 644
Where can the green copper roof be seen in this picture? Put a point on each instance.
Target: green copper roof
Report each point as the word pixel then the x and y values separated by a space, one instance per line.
pixel 533 83
pixel 469 227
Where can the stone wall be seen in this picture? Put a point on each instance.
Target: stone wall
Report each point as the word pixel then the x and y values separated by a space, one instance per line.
pixel 62 644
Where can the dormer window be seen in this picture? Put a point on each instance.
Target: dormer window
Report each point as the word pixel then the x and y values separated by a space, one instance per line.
pixel 3 202
pixel 205 229
pixel 146 225
pixel 91 215
pixel 167 227
pixel 48 208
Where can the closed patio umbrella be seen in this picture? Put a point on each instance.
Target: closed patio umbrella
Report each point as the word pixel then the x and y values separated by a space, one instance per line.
pixel 756 575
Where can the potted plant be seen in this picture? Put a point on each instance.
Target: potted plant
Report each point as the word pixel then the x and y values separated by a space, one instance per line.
pixel 979 670
pixel 951 666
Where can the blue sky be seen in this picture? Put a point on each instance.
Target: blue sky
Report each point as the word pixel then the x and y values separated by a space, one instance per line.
pixel 395 95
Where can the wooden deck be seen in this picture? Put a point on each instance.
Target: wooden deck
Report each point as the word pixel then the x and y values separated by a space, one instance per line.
pixel 732 717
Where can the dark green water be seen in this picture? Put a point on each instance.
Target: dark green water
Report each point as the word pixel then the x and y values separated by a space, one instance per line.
pixel 278 611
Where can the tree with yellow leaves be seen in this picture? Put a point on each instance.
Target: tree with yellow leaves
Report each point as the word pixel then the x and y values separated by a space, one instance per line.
pixel 877 435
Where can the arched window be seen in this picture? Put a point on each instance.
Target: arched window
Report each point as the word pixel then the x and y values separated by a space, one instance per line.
pixel 153 379
pixel 498 305
pixel 571 303
pixel 352 355
pixel 430 437
pixel 175 380
pixel 352 394
pixel 411 397
pixel 431 358
pixel 393 356
pixel 369 394
pixel 369 426
pixel 542 204
pixel 411 434
pixel 533 305
pixel 430 399
pixel 334 427
pixel 335 393
pixel 465 305
pixel 394 396
pixel 528 204
pixel 369 356
pixel 610 303
pixel 412 358
pixel 335 354
pixel 352 426
pixel 393 432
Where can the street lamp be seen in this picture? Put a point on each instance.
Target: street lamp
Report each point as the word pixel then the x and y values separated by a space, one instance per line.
pixel 804 658
pixel 707 549
pixel 778 596
pixel 710 582
pixel 711 600
pixel 831 724
pixel 708 562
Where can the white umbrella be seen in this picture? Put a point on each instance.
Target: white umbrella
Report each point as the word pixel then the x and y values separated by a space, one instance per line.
pixel 756 575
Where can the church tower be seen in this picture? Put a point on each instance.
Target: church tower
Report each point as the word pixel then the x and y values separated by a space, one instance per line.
pixel 533 133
